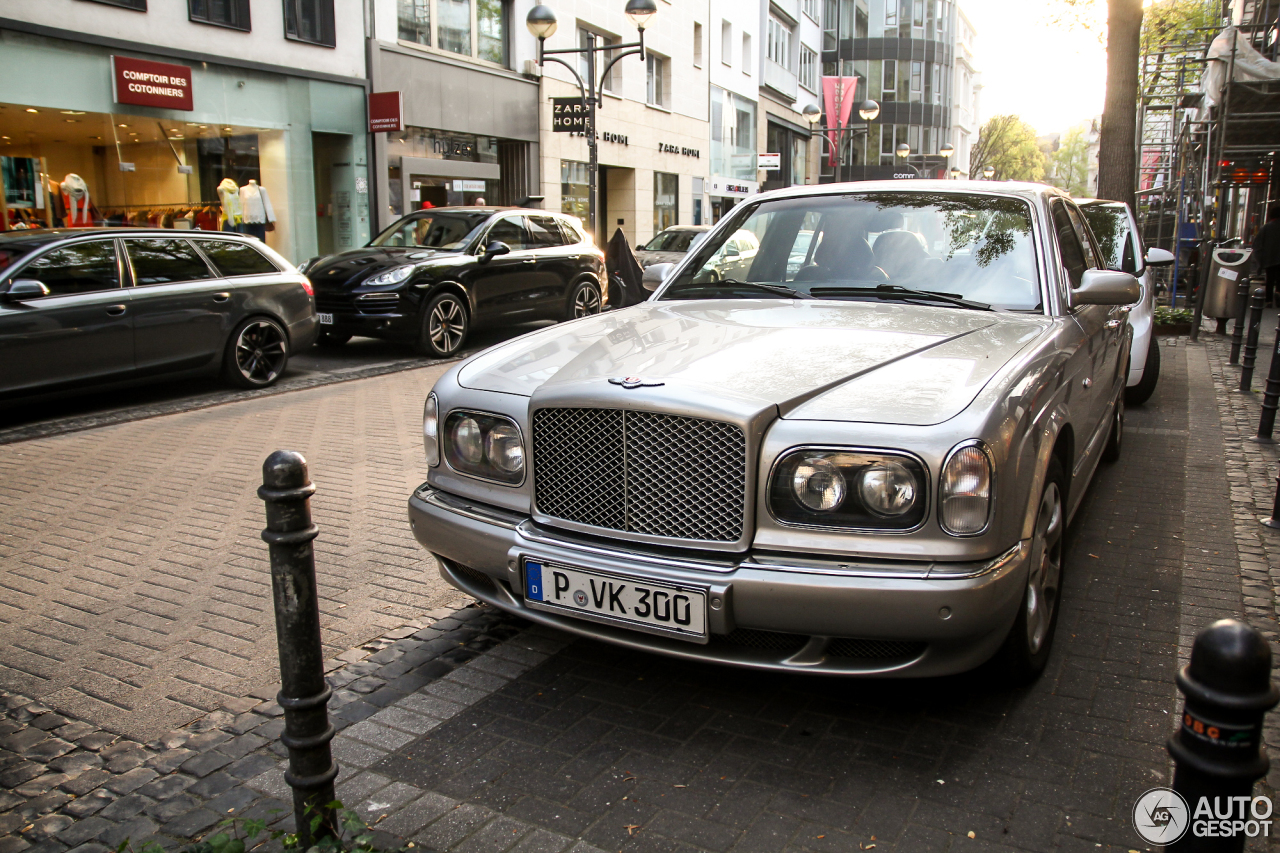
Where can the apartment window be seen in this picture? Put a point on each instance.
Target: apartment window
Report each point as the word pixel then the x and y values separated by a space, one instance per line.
pixel 889 86
pixel 891 13
pixel 454 29
pixel 697 45
pixel 610 82
pixel 746 53
pixel 310 21
pixel 491 31
pixel 655 80
pixel 726 43
pixel 829 12
pixel 139 5
pixel 917 81
pixel 233 14
pixel 808 68
pixel 811 9
pixel 666 209
pixel 917 14
pixel 778 42
pixel 414 21
pixel 937 83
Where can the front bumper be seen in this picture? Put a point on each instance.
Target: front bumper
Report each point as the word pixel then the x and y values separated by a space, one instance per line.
pixel 766 611
pixel 372 325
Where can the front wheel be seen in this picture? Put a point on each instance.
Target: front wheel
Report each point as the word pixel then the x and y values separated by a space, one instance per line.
pixel 1026 649
pixel 444 326
pixel 584 301
pixel 257 353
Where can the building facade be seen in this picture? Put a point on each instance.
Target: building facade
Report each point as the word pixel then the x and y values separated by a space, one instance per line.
pixel 902 54
pixel 149 106
pixel 734 78
pixel 469 112
pixel 966 89
pixel 790 81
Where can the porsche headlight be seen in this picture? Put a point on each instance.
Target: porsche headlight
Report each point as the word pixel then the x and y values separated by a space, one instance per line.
pixel 484 446
pixel 394 276
pixel 830 487
pixel 964 491
pixel 431 430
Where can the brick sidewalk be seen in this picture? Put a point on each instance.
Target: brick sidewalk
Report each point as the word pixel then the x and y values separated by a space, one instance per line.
pixel 474 733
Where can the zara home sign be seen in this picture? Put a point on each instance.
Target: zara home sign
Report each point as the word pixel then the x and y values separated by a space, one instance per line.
pixel 151 84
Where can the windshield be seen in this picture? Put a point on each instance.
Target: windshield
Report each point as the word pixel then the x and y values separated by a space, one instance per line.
pixel 445 231
pixel 871 246
pixel 1110 226
pixel 673 241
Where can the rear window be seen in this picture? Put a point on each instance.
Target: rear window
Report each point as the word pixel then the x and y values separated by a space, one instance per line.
pixel 232 258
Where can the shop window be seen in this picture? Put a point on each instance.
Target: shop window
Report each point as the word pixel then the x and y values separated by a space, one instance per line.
pixel 310 21
pixel 414 21
pixel 656 80
pixel 491 31
pixel 232 258
pixel 666 191
pixel 81 268
pixel 799 160
pixel 574 188
pixel 139 5
pixel 233 14
pixel 454 29
pixel 165 260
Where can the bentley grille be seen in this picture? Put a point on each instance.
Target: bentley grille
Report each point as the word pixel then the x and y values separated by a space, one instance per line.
pixel 641 472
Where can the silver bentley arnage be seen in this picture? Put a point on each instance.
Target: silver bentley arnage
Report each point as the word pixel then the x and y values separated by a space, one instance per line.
pixel 859 457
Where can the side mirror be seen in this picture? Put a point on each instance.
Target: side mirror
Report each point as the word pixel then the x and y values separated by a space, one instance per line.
pixel 495 248
pixel 1159 257
pixel 1106 287
pixel 24 289
pixel 655 275
pixel 731 251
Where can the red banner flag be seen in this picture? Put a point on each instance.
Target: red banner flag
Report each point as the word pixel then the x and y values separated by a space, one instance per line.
pixel 838 95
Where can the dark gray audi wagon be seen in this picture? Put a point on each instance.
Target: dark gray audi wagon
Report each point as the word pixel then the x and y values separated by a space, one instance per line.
pixel 84 308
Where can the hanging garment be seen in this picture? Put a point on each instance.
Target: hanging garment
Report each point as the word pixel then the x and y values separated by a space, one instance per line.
pixel 256 203
pixel 75 195
pixel 232 210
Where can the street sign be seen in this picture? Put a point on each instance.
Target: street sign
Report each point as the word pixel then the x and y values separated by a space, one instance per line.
pixel 568 115
pixel 771 162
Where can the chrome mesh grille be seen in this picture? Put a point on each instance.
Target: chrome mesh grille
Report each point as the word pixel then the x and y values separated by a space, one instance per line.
pixel 641 472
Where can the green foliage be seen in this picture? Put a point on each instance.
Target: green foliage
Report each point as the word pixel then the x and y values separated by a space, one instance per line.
pixel 1175 22
pixel 1008 144
pixel 1071 162
pixel 1172 316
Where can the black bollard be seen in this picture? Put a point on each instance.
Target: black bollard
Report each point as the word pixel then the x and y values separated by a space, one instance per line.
pixel 304 695
pixel 1251 343
pixel 1274 521
pixel 1271 395
pixel 1237 330
pixel 1217 751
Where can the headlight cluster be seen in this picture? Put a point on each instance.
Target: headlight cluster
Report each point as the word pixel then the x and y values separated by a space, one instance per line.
pixel 964 491
pixel 849 488
pixel 431 430
pixel 485 446
pixel 394 276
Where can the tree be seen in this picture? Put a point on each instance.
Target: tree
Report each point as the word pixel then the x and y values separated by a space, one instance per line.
pixel 1071 162
pixel 1175 22
pixel 1007 144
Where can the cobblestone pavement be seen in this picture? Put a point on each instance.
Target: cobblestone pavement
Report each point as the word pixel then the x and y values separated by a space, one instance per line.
pixel 476 733
pixel 134 588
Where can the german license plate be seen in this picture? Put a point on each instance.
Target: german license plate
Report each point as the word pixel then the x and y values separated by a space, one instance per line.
pixel 657 608
pixel 326 319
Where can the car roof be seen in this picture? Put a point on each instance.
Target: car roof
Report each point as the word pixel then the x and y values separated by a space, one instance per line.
pixel 689 228
pixel 1099 202
pixel 488 210
pixel 1029 191
pixel 44 236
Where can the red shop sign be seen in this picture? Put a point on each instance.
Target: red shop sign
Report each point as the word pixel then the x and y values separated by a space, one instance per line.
pixel 385 111
pixel 151 84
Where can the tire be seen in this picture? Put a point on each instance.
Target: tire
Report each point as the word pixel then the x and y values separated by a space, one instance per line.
pixel 1026 650
pixel 1115 438
pixel 1141 393
pixel 584 300
pixel 257 353
pixel 445 325
pixel 330 339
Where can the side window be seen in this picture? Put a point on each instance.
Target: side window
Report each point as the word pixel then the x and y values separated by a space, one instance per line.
pixel 544 232
pixel 570 233
pixel 512 232
pixel 232 258
pixel 165 260
pixel 1082 231
pixel 81 268
pixel 1069 247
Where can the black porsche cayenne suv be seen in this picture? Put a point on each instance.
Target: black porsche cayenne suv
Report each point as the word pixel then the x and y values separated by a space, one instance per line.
pixel 436 274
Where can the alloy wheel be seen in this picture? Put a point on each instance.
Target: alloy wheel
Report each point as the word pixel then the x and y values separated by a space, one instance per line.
pixel 1046 568
pixel 261 352
pixel 586 302
pixel 447 325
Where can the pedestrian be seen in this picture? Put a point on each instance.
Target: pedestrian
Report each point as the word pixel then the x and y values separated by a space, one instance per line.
pixel 479 202
pixel 1266 251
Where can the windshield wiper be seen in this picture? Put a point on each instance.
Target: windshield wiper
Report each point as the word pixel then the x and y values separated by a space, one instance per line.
pixel 888 290
pixel 777 289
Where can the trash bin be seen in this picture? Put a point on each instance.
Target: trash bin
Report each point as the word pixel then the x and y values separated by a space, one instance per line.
pixel 1220 299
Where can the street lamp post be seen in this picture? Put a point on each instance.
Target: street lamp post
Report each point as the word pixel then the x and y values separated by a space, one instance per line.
pixel 867 111
pixel 904 152
pixel 988 172
pixel 542 23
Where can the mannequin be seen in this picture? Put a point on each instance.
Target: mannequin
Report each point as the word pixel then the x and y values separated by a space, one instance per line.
pixel 258 213
pixel 75 195
pixel 232 212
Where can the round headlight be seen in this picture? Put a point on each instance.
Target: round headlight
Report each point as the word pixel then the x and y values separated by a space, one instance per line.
pixel 818 484
pixel 887 488
pixel 503 447
pixel 468 441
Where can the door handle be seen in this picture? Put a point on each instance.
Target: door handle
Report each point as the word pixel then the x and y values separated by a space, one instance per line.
pixel 1114 324
pixel 115 310
pixel 221 297
pixel 1088 383
pixel 529 261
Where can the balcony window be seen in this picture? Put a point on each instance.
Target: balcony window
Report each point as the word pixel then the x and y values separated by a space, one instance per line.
pixel 233 14
pixel 310 21
pixel 414 22
pixel 778 42
pixel 454 29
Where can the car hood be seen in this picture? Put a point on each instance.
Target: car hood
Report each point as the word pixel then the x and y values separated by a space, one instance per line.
pixel 647 258
pixel 814 359
pixel 347 269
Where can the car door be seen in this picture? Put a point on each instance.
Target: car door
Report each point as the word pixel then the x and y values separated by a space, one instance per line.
pixel 81 332
pixel 557 265
pixel 180 307
pixel 506 287
pixel 1084 338
pixel 1109 364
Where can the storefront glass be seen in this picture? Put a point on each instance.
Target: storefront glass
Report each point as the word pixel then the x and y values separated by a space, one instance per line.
pixel 574 188
pixel 666 209
pixel 733 135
